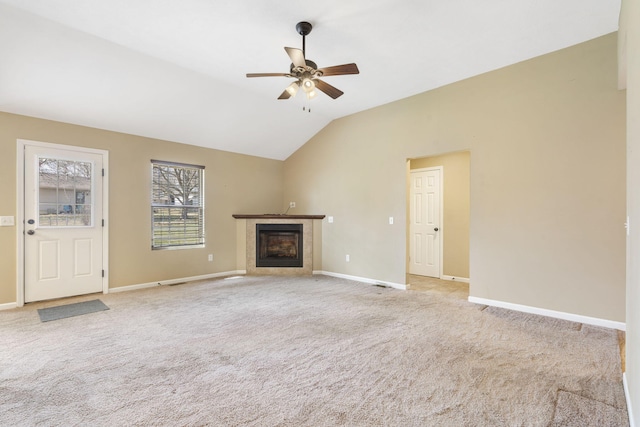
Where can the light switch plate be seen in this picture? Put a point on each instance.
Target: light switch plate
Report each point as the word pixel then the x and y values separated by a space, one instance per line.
pixel 330 219
pixel 7 221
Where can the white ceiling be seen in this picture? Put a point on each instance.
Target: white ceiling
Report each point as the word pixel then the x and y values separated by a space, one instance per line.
pixel 175 70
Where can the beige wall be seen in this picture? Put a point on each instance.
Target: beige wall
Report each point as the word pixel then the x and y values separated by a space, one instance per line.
pixel 547 138
pixel 234 184
pixel 547 185
pixel 455 224
pixel 630 39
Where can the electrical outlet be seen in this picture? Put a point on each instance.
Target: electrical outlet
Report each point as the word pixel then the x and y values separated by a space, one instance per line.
pixel 347 258
pixel 292 204
pixel 210 257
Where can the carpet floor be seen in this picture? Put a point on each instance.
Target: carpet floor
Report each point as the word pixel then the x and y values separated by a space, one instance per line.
pixel 309 351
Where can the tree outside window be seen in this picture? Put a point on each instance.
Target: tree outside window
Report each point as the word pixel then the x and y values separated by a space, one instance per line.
pixel 177 205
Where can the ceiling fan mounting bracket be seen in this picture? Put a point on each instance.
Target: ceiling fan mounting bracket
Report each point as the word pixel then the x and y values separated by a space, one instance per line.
pixel 303 28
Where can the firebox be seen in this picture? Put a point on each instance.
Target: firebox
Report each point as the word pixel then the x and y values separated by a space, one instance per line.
pixel 279 245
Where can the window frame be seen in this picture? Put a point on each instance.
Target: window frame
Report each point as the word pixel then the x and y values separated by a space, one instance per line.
pixel 157 243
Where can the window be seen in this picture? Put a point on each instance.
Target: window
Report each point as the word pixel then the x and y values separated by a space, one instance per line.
pixel 177 205
pixel 64 193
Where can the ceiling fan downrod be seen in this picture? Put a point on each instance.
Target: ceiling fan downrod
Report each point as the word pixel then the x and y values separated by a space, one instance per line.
pixel 304 28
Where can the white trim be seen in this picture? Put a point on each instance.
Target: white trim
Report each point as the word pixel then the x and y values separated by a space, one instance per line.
pixel 20 222
pixel 455 279
pixel 174 281
pixel 20 147
pixel 551 313
pixel 105 216
pixel 628 398
pixel 362 279
pixel 8 306
pixel 441 203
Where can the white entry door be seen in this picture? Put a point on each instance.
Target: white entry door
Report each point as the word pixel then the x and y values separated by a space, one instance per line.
pixel 424 222
pixel 63 222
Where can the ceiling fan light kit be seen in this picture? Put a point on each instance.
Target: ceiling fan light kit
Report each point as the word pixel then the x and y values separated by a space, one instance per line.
pixel 307 73
pixel 293 88
pixel 308 84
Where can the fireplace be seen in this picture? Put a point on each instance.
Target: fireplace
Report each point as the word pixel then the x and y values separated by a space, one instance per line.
pixel 306 226
pixel 279 245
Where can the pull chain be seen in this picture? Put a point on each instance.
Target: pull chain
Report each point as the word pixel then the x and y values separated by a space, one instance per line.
pixel 306 105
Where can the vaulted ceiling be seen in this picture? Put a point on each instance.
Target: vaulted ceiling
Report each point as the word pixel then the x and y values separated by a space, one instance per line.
pixel 175 70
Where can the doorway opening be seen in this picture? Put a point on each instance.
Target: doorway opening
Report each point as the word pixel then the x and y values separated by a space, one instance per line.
pixel 438 212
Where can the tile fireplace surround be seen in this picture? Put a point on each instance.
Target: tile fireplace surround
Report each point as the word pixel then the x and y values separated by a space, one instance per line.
pixel 249 242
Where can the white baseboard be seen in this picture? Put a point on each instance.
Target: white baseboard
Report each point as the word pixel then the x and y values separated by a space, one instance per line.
pixel 628 398
pixel 362 279
pixel 8 306
pixel 455 279
pixel 551 313
pixel 174 281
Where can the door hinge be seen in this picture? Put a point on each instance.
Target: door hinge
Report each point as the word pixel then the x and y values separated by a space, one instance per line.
pixel 103 222
pixel 102 273
pixel 103 172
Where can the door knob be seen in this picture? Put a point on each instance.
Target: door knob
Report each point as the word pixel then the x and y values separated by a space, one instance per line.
pixel 31 232
pixel 31 221
pixel 436 229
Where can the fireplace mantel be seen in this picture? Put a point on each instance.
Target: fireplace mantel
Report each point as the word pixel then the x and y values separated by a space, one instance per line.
pixel 276 216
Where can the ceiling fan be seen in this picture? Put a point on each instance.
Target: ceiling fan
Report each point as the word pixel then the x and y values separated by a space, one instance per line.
pixel 307 73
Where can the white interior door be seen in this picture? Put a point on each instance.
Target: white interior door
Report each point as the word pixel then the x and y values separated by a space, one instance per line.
pixel 63 213
pixel 424 222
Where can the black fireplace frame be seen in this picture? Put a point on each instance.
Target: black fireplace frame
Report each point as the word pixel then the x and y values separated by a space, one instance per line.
pixel 280 262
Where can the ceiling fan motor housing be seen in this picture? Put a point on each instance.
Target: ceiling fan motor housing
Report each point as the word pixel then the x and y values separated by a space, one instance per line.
pixel 311 67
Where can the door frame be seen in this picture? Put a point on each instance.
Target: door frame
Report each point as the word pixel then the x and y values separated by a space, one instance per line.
pixel 20 231
pixel 441 228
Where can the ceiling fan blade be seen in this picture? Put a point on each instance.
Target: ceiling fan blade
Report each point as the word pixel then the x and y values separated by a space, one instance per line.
pixel 338 70
pixel 285 95
pixel 268 74
pixel 333 92
pixel 297 57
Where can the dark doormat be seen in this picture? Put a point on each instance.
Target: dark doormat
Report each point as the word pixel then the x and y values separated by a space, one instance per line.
pixel 70 310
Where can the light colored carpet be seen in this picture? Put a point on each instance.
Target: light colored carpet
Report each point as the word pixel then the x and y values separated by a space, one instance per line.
pixel 572 408
pixel 316 351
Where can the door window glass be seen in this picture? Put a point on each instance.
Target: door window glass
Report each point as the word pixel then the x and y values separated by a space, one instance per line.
pixel 64 193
